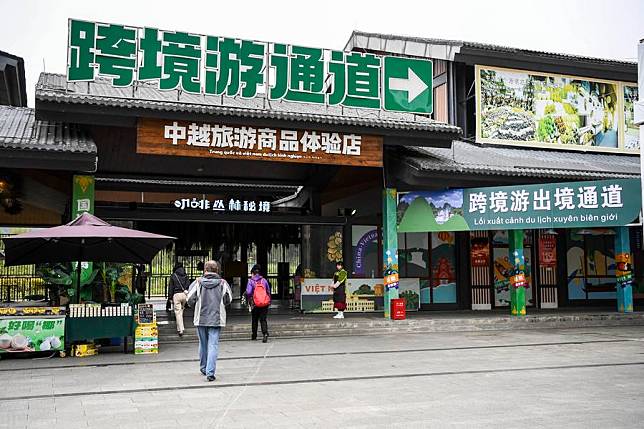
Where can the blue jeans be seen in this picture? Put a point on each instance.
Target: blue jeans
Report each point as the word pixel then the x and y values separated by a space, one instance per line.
pixel 208 348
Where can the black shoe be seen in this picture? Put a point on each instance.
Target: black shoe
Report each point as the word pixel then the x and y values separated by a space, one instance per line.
pixel 265 339
pixel 211 378
pixel 180 334
pixel 253 338
pixel 203 371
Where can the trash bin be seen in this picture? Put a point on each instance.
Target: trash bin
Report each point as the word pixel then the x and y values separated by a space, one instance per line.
pixel 398 309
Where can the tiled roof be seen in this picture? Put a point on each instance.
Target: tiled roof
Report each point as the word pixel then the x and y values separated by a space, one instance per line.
pixel 469 158
pixel 197 183
pixel 19 130
pixel 145 95
pixel 420 46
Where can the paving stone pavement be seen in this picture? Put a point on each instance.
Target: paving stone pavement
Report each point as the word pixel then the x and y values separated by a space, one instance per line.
pixel 585 378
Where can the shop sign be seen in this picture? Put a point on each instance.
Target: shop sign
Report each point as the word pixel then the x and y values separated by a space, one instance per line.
pixel 213 140
pixel 32 334
pixel 232 67
pixel 525 108
pixel 231 205
pixel 601 203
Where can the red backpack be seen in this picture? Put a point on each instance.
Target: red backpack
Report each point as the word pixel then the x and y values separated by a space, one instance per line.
pixel 261 298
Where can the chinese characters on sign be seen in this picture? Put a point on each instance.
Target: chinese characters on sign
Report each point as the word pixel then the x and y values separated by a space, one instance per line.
pixel 231 205
pixel 245 142
pixel 565 198
pixel 597 203
pixel 232 67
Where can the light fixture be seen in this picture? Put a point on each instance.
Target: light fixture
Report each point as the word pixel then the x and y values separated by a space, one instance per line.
pixel 550 231
pixel 347 212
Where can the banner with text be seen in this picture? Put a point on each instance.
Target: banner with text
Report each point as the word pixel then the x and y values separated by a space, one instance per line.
pixel 601 203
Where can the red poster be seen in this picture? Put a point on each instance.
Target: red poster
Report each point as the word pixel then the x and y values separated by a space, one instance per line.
pixel 480 252
pixel 547 250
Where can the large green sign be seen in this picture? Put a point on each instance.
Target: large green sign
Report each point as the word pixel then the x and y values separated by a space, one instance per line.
pixel 226 66
pixel 37 334
pixel 602 203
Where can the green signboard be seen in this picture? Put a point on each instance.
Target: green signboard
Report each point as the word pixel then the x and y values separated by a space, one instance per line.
pixel 408 85
pixel 27 334
pixel 601 203
pixel 243 68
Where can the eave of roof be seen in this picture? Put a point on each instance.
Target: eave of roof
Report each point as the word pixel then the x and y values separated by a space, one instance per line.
pixel 474 159
pixel 54 88
pixel 448 49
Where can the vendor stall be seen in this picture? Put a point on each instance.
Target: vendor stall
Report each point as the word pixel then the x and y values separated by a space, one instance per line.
pixel 85 239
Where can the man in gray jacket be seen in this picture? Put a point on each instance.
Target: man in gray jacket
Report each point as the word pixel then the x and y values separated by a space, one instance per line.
pixel 209 295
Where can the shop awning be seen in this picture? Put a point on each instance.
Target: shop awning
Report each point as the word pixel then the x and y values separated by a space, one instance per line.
pixel 466 164
pixel 29 143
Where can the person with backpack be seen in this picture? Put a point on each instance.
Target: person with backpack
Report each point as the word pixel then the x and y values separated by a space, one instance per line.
pixel 258 292
pixel 209 295
pixel 178 294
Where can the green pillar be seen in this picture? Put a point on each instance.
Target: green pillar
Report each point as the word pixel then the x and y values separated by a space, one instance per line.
pixel 517 279
pixel 390 247
pixel 623 271
pixel 82 202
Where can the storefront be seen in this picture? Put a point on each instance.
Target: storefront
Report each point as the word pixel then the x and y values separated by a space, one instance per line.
pixel 528 119
pixel 240 168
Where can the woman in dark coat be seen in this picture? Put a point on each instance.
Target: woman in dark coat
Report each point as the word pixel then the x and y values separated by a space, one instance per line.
pixel 178 293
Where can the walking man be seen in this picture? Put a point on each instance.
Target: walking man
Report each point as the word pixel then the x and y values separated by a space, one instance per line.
pixel 258 293
pixel 209 295
pixel 178 293
pixel 339 290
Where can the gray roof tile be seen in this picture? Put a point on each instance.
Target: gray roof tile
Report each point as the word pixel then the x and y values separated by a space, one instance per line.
pixel 20 130
pixel 54 87
pixel 469 158
pixel 423 46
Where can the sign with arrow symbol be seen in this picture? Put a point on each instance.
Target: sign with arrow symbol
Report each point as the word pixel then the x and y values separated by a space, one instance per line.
pixel 408 85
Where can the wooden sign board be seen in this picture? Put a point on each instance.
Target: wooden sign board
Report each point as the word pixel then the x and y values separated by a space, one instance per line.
pixel 215 140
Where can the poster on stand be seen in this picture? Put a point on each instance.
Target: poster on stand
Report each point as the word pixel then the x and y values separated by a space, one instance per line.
pixel 363 295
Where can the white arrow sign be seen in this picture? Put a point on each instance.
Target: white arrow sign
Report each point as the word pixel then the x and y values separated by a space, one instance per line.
pixel 413 85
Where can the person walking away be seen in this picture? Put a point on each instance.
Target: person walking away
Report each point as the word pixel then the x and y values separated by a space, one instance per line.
pixel 258 293
pixel 178 293
pixel 209 295
pixel 340 290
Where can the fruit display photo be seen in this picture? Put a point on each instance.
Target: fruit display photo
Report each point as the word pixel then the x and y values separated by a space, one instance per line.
pixel 32 334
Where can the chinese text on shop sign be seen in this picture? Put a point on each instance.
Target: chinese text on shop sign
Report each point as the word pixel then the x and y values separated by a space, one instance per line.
pixel 232 67
pixel 231 205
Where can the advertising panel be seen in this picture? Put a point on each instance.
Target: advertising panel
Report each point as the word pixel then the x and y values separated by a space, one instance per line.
pixel 363 295
pixel 518 107
pixel 602 203
pixel 32 334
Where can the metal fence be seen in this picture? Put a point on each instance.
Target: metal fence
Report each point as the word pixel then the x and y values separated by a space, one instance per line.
pixel 20 282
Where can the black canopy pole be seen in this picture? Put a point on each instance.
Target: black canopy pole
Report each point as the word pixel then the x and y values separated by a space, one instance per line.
pixel 78 272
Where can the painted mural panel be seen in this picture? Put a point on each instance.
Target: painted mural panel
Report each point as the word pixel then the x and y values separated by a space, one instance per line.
pixel 443 259
pixel 591 264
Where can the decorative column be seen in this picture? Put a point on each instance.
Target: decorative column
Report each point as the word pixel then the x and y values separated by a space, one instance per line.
pixel 390 247
pixel 623 271
pixel 518 281
pixel 82 202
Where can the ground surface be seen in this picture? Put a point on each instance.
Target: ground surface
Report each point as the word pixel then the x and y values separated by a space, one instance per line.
pixel 585 378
